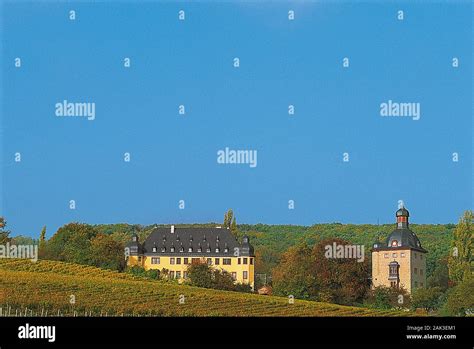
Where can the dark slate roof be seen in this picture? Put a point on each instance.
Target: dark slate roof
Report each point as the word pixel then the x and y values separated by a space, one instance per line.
pixel 405 239
pixel 134 246
pixel 247 249
pixel 402 212
pixel 403 236
pixel 208 239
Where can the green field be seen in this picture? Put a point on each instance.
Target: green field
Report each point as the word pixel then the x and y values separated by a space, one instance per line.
pixel 47 287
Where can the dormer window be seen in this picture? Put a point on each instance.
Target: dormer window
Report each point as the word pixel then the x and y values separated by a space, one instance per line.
pixel 190 249
pixel 208 250
pixel 163 249
pixel 394 243
pixel 181 249
pixel 199 249
pixel 172 249
pixel 226 250
pixel 217 239
pixel 218 250
pixel 154 248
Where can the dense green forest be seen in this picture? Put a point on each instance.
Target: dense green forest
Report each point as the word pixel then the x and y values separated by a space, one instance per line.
pixel 270 241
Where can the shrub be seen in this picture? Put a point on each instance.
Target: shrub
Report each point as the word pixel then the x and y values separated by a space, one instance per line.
pixel 141 272
pixel 382 297
pixel 460 300
pixel 202 275
pixel 426 298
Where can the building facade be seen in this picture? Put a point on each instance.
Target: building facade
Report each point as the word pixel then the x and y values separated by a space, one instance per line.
pixel 174 249
pixel 401 260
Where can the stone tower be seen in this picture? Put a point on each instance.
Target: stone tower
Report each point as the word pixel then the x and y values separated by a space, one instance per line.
pixel 401 261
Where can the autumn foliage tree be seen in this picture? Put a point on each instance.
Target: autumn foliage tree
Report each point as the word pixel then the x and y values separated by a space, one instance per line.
pixel 308 274
pixel 294 274
pixel 340 280
pixel 106 253
pixel 81 243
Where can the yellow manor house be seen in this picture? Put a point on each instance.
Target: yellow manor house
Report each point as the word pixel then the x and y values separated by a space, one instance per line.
pixel 175 248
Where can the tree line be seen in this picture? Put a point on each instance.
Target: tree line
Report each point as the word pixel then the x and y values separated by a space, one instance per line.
pixel 292 258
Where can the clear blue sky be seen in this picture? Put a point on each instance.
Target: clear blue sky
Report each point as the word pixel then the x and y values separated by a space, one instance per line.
pixel 282 62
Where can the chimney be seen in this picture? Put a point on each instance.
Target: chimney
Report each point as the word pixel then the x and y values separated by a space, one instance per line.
pixel 172 229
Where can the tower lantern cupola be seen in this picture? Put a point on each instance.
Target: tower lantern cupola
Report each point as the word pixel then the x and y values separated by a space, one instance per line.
pixel 402 218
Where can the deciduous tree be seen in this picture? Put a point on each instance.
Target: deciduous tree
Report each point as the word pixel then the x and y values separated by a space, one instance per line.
pixel 42 242
pixel 294 274
pixel 107 253
pixel 3 232
pixel 461 256
pixel 426 298
pixel 309 274
pixel 460 300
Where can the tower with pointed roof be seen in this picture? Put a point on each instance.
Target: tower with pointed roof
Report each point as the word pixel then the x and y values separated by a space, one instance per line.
pixel 400 261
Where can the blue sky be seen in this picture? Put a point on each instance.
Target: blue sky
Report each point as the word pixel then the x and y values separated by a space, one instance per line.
pixel 282 62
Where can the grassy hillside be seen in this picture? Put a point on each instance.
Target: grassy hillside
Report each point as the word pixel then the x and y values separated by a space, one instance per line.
pixel 47 286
